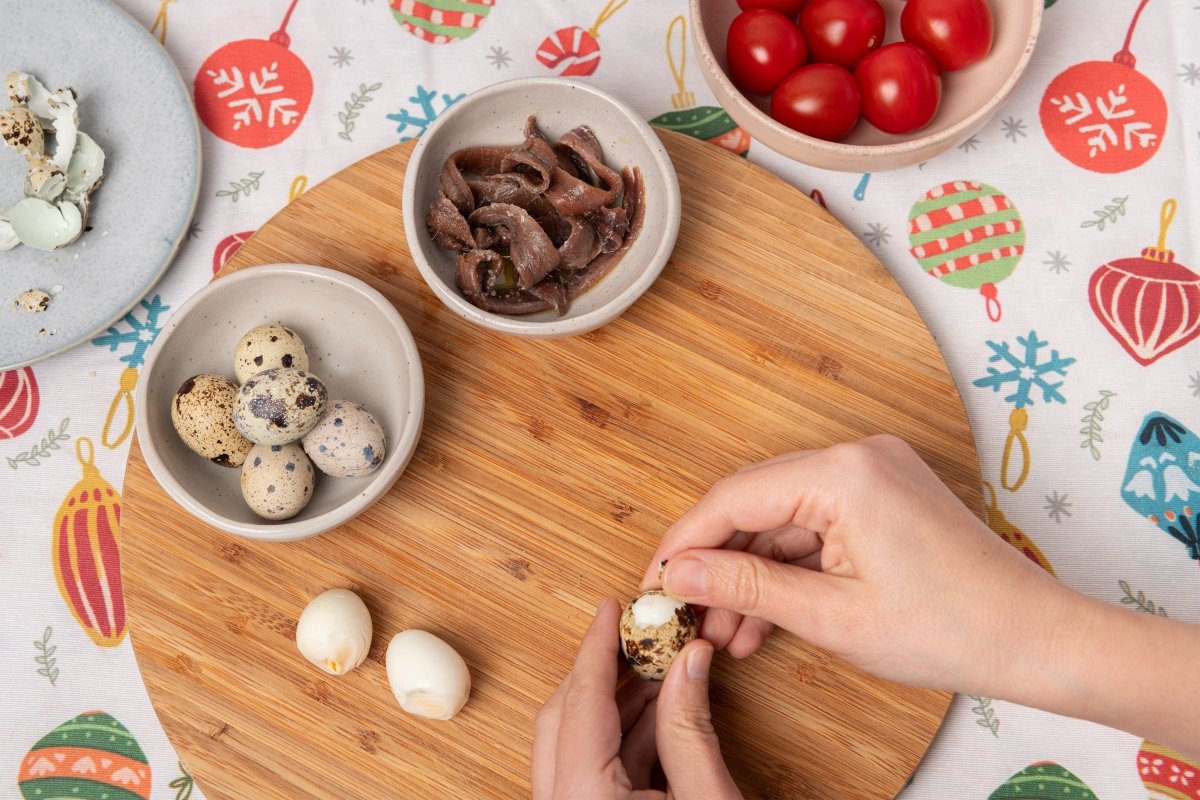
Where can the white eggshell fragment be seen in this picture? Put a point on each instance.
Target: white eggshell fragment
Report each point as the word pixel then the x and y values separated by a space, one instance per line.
pixel 654 628
pixel 267 347
pixel 44 226
pixel 279 405
pixel 347 442
pixel 8 237
pixel 85 169
pixel 202 413
pixel 428 677
pixel 334 631
pixel 277 480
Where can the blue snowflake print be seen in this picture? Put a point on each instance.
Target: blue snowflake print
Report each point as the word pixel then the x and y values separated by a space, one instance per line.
pixel 423 103
pixel 1026 371
pixel 141 333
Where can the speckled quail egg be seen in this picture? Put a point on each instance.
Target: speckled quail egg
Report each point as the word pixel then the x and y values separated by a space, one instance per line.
pixel 427 675
pixel 279 405
pixel 654 628
pixel 202 413
pixel 266 347
pixel 347 442
pixel 334 631
pixel 277 480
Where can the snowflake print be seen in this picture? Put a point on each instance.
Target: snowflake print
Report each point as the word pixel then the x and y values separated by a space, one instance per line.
pixel 341 56
pixel 1190 74
pixel 247 94
pixel 970 145
pixel 1057 506
pixel 1013 128
pixel 1195 385
pixel 141 333
pixel 423 102
pixel 194 231
pixel 1026 371
pixel 499 57
pixel 1057 262
pixel 876 234
pixel 1110 123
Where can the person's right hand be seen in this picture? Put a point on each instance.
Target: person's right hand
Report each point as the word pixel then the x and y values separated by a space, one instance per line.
pixel 859 549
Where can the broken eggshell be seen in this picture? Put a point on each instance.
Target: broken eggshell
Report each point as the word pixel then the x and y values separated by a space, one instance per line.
pixel 85 170
pixel 8 237
pixel 21 131
pixel 654 628
pixel 44 226
pixel 45 181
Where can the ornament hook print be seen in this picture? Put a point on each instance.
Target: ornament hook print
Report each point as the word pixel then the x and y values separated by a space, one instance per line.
pixel 682 98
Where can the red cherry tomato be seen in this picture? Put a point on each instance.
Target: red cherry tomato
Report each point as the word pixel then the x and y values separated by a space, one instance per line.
pixel 901 88
pixel 957 33
pixel 789 8
pixel 820 100
pixel 763 48
pixel 842 31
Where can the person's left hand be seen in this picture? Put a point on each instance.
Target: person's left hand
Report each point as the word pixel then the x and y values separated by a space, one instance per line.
pixel 597 741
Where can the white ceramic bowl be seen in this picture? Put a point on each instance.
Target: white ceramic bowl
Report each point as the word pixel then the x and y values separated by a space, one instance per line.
pixel 970 97
pixel 496 115
pixel 334 314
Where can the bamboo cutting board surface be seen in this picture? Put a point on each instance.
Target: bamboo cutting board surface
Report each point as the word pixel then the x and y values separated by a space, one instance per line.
pixel 545 475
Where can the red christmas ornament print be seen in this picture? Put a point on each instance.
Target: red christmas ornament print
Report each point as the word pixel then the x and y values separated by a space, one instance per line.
pixel 1150 304
pixel 574 51
pixel 18 402
pixel 1105 116
pixel 254 92
pixel 227 247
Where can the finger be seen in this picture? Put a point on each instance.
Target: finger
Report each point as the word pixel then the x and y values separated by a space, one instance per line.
pixel 652 579
pixel 545 742
pixel 633 695
pixel 638 752
pixel 783 458
pixel 749 637
pixel 589 733
pixel 687 742
pixel 719 626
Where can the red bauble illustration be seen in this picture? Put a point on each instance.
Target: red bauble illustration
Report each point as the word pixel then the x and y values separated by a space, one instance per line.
pixel 1150 304
pixel 573 51
pixel 254 92
pixel 227 247
pixel 1105 116
pixel 18 402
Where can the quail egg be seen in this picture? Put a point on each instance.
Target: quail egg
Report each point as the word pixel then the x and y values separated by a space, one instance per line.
pixel 347 442
pixel 277 480
pixel 202 413
pixel 654 628
pixel 334 631
pixel 266 347
pixel 279 405
pixel 428 676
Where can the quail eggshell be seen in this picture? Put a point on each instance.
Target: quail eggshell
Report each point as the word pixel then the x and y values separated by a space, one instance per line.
pixel 202 413
pixel 279 405
pixel 347 442
pixel 277 480
pixel 654 628
pixel 334 631
pixel 267 347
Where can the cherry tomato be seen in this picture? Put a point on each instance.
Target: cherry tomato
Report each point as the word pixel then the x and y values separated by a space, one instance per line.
pixel 842 31
pixel 789 8
pixel 820 100
pixel 957 33
pixel 901 88
pixel 763 48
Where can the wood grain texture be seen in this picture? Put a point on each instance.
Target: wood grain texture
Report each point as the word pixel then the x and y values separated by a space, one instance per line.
pixel 545 475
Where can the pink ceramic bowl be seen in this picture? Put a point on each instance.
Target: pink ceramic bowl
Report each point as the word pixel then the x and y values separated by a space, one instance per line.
pixel 969 96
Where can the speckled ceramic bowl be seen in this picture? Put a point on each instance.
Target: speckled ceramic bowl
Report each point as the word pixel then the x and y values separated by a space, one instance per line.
pixel 970 97
pixel 334 314
pixel 496 115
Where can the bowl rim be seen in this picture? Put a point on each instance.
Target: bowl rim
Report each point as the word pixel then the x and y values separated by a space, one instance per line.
pixel 712 72
pixel 414 226
pixel 383 479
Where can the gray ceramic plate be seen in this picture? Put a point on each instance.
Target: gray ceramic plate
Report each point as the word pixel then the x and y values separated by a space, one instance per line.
pixel 133 102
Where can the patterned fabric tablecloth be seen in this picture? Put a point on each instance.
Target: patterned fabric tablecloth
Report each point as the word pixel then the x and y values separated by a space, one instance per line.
pixel 1072 339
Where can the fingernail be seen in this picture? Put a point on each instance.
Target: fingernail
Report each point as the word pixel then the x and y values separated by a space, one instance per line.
pixel 699 660
pixel 662 565
pixel 686 577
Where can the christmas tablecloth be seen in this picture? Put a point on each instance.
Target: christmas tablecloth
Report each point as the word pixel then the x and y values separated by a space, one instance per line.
pixel 1070 327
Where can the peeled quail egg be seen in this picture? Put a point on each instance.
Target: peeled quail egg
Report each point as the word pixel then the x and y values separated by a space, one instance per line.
pixel 279 405
pixel 45 226
pixel 277 480
pixel 202 413
pixel 428 677
pixel 334 631
pixel 347 442
pixel 654 628
pixel 266 347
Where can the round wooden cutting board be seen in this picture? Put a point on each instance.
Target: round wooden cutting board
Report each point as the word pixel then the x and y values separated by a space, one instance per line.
pixel 545 475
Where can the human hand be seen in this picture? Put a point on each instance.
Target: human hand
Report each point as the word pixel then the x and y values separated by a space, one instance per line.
pixel 597 741
pixel 859 549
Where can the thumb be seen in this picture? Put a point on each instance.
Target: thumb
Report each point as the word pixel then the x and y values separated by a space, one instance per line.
pixel 789 596
pixel 687 743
